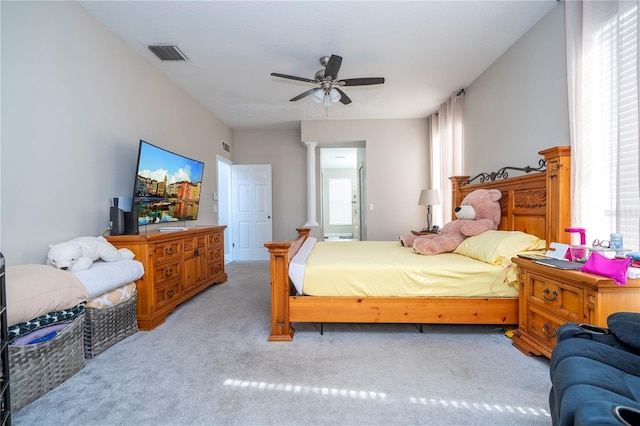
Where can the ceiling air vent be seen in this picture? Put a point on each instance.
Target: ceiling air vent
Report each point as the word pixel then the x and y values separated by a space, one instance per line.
pixel 167 52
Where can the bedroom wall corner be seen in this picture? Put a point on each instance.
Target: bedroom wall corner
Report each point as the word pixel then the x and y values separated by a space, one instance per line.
pixel 518 106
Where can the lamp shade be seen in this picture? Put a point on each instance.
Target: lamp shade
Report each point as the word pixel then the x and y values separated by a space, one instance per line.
pixel 335 95
pixel 318 96
pixel 429 197
pixel 326 100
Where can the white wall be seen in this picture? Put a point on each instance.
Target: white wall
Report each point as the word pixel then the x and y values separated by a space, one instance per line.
pixel 518 106
pixel 397 155
pixel 75 102
pixel 287 156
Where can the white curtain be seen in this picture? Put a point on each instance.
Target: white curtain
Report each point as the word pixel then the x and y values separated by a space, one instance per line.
pixel 447 133
pixel 602 68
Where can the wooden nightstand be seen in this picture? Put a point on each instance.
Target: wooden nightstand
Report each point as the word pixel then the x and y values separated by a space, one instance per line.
pixel 550 297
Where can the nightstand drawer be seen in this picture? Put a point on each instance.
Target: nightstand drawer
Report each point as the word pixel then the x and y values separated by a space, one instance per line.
pixel 561 300
pixel 543 326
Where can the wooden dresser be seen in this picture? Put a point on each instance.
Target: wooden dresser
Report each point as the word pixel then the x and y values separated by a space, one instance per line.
pixel 177 266
pixel 550 297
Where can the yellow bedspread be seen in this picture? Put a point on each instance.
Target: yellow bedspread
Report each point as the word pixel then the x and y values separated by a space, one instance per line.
pixel 386 268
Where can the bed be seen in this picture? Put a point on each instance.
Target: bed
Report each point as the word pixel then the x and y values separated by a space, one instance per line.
pixel 537 203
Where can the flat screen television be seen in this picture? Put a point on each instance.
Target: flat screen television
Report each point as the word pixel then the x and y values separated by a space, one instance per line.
pixel 167 186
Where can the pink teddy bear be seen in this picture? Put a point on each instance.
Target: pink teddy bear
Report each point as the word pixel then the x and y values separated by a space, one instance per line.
pixel 479 211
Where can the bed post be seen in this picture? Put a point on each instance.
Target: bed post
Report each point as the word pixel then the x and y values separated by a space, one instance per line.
pixel 281 253
pixel 558 161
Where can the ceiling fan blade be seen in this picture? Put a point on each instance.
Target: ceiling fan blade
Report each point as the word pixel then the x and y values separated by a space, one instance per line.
pixel 333 66
pixel 293 77
pixel 362 81
pixel 303 95
pixel 343 97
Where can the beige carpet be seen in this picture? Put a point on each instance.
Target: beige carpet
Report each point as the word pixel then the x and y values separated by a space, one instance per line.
pixel 210 363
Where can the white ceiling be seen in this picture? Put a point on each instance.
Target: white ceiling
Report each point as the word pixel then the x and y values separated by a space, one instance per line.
pixel 426 50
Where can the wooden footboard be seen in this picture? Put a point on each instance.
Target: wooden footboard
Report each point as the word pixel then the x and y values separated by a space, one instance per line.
pixel 537 203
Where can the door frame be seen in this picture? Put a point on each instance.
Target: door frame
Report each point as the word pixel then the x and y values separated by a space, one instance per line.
pixel 222 203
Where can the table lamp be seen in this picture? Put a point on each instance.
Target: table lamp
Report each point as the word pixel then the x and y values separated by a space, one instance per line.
pixel 429 197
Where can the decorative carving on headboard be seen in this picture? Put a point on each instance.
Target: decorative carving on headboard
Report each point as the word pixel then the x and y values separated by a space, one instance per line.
pixel 530 198
pixel 503 174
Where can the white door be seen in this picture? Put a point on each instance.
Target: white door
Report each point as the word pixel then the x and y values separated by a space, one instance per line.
pixel 251 211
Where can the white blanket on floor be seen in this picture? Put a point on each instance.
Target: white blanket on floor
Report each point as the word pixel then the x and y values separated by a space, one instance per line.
pixel 106 276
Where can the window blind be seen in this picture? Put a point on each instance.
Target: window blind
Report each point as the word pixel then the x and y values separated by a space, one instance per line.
pixel 608 149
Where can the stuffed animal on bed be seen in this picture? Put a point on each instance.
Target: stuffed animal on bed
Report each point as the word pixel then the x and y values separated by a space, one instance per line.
pixel 80 253
pixel 478 212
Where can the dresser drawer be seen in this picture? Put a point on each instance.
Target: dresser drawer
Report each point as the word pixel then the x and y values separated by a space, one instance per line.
pixel 166 252
pixel 166 272
pixel 166 294
pixel 562 300
pixel 216 269
pixel 216 254
pixel 216 239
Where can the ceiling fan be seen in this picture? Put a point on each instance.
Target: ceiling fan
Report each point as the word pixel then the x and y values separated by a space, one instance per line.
pixel 328 90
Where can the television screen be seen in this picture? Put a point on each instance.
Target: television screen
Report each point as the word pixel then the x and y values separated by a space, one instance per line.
pixel 167 186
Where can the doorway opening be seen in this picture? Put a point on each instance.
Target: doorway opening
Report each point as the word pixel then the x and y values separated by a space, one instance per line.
pixel 342 171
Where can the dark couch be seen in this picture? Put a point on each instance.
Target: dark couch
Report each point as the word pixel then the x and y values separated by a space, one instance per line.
pixel 595 373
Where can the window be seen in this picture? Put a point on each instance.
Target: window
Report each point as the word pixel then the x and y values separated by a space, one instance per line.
pixel 603 93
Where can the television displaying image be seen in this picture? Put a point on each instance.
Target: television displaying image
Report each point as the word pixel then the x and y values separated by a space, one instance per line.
pixel 167 186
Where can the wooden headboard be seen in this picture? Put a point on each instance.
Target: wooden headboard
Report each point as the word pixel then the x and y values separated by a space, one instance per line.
pixel 536 203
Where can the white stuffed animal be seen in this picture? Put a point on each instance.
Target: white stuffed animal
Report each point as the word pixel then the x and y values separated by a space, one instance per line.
pixel 80 253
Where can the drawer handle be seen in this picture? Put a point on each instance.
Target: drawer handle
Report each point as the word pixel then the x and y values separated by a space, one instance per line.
pixel 216 254
pixel 168 272
pixel 170 293
pixel 545 330
pixel 546 292
pixel 168 250
pixel 216 238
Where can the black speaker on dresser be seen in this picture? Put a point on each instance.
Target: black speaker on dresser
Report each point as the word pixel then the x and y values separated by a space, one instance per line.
pixel 122 216
pixel 131 223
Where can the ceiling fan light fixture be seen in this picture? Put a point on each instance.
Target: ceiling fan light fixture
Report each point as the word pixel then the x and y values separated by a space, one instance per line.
pixel 327 100
pixel 318 96
pixel 334 95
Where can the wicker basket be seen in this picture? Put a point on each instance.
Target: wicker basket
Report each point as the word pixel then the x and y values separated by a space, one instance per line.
pixel 105 327
pixel 36 369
